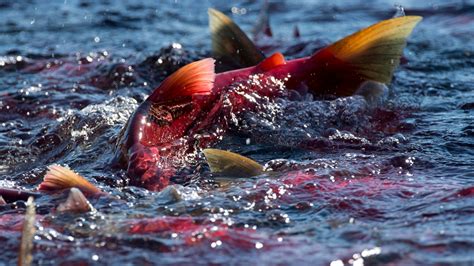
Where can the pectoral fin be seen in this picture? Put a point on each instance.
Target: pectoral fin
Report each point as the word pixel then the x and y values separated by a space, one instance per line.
pixel 231 164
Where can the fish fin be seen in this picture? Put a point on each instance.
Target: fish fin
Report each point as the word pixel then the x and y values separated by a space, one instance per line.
pixel 2 201
pixel 75 202
pixel 196 78
pixel 230 44
pixel 369 54
pixel 296 32
pixel 263 24
pixel 271 62
pixel 25 256
pixel 231 164
pixel 58 178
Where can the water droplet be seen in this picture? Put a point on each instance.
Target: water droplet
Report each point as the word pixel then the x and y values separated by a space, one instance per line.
pixel 337 263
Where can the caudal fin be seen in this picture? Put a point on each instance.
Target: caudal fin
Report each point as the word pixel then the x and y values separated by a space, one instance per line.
pixel 231 164
pixel 370 54
pixel 58 178
pixel 230 44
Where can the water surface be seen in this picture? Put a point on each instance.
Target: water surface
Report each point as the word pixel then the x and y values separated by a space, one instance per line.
pixel 390 183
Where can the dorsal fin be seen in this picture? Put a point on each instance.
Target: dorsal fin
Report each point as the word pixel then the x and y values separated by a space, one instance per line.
pixel 370 54
pixel 263 23
pixel 231 164
pixel 296 32
pixel 2 201
pixel 271 62
pixel 58 178
pixel 75 202
pixel 229 42
pixel 196 78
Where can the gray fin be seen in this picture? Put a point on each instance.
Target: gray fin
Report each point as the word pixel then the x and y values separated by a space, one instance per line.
pixel 263 24
pixel 2 201
pixel 76 202
pixel 230 45
pixel 26 246
pixel 231 164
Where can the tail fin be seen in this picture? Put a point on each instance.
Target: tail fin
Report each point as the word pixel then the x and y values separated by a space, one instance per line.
pixel 370 54
pixel 231 164
pixel 229 42
pixel 59 178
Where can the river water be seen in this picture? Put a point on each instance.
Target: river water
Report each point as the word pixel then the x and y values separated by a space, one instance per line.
pixel 353 183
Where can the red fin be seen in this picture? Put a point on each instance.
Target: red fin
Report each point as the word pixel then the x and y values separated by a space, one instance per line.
pixel 370 54
pixel 271 62
pixel 192 79
pixel 59 178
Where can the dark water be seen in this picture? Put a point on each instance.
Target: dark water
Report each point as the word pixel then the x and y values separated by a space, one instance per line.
pixel 390 183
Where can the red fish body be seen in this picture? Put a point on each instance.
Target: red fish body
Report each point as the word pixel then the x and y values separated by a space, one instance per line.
pixel 187 111
pixel 160 136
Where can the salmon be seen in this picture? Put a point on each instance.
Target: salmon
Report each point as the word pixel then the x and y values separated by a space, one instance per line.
pixel 186 112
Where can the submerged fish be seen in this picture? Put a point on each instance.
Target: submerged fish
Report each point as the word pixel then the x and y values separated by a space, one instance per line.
pixel 171 122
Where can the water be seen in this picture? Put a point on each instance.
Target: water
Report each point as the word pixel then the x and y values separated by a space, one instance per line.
pixel 352 182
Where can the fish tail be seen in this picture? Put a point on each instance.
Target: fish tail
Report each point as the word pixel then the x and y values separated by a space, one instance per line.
pixel 58 178
pixel 371 54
